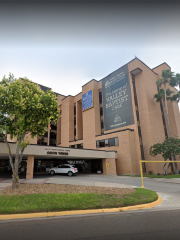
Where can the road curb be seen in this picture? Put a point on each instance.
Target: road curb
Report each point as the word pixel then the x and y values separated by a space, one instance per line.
pixel 65 213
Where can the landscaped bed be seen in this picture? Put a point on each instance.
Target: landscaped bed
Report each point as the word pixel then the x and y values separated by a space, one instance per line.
pixel 32 198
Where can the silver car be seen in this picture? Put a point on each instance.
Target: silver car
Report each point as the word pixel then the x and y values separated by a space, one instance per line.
pixel 68 169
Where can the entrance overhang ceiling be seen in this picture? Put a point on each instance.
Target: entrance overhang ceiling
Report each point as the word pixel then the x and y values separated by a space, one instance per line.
pixel 50 152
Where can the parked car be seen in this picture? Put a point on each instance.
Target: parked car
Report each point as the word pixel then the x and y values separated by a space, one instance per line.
pixel 64 169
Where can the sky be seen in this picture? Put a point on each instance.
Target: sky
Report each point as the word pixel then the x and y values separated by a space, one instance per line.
pixel 65 44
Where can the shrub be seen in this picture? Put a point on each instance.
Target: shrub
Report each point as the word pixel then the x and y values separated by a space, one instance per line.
pixel 150 172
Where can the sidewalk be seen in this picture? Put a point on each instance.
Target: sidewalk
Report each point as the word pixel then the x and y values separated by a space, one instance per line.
pixel 83 180
pixel 166 180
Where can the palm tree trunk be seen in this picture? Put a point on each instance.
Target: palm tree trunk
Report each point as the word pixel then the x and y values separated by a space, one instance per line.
pixel 169 125
pixel 166 109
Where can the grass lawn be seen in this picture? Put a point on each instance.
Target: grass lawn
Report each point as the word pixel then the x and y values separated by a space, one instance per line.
pixel 74 201
pixel 157 176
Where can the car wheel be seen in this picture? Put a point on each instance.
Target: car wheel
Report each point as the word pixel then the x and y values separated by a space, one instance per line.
pixel 70 174
pixel 52 172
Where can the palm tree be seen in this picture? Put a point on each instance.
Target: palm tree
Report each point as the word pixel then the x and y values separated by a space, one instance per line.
pixel 175 82
pixel 164 94
pixel 178 80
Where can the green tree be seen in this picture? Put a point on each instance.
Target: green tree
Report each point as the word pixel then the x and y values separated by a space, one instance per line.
pixel 164 94
pixel 24 108
pixel 168 148
pixel 175 82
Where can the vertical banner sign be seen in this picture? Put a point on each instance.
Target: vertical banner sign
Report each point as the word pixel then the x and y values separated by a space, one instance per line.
pixel 117 99
pixel 87 100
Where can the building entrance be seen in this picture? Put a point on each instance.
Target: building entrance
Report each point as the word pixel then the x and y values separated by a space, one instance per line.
pixel 42 166
pixel 88 166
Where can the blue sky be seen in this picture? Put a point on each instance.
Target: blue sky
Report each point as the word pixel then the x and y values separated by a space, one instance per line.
pixel 64 46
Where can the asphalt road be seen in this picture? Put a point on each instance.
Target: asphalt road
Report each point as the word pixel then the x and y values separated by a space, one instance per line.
pixel 124 225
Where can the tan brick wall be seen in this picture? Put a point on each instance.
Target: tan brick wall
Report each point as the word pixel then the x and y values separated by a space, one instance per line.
pixel 79 120
pixel 109 166
pixel 127 157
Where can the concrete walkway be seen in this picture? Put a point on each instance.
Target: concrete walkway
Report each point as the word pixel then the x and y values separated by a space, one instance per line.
pixel 86 180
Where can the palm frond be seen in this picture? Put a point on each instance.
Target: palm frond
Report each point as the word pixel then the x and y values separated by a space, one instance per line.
pixel 159 82
pixel 176 97
pixel 160 95
pixel 168 92
pixel 166 74
pixel 173 82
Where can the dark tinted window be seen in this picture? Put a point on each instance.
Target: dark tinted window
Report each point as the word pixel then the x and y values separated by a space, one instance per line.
pixel 111 141
pixel 65 166
pixel 72 146
pixel 102 143
pixel 53 135
pixel 53 127
pixel 75 109
pixel 100 97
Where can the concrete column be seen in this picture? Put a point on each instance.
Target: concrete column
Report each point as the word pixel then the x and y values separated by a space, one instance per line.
pixel 30 167
pixel 109 166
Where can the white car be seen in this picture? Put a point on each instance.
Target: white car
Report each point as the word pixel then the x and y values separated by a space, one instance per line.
pixel 64 169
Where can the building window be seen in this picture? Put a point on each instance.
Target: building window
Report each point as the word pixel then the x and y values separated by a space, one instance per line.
pixel 72 146
pixel 107 142
pixel 111 141
pixel 101 111
pixel 102 143
pixel 80 145
pixel 53 133
pixel 74 121
pixel 53 127
pixel 102 125
pixel 100 97
pixel 74 109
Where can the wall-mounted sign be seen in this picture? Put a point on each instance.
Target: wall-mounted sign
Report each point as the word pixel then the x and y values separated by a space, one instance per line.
pixel 87 100
pixel 117 99
pixel 107 164
pixel 57 153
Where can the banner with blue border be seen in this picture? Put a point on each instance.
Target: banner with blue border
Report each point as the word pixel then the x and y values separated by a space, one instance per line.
pixel 87 100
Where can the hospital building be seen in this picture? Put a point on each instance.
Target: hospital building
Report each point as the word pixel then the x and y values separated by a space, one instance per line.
pixel 107 128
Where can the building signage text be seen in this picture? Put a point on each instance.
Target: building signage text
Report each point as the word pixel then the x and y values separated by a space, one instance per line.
pixel 117 99
pixel 57 151
pixel 87 100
